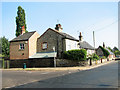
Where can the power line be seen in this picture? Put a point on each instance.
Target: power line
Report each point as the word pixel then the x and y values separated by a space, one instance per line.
pixel 106 26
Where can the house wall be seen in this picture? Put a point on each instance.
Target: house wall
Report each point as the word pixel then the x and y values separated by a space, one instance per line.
pixel 16 53
pixel 70 44
pixel 33 44
pixel 53 39
pixel 90 52
pixel 99 52
pixel 111 56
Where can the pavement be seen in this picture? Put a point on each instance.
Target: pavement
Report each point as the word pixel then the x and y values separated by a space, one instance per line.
pixel 104 75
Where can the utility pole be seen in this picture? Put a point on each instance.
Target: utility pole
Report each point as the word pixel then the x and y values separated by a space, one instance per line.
pixel 54 56
pixel 94 40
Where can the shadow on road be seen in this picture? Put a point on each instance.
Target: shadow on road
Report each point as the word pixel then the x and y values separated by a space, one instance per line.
pixel 102 77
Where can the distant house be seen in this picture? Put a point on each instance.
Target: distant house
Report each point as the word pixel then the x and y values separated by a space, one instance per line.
pixel 112 55
pixel 23 46
pixel 55 38
pixel 85 45
pixel 100 52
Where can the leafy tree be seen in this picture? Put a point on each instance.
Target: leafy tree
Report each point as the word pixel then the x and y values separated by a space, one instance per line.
pixel 105 52
pixel 4 46
pixel 115 49
pixel 20 21
pixel 75 54
pixel 110 49
pixel 117 52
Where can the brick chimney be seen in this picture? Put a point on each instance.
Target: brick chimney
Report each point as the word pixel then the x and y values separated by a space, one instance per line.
pixel 22 30
pixel 58 27
pixel 103 45
pixel 80 37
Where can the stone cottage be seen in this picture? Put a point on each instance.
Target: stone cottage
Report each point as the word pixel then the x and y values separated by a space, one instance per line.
pixel 54 39
pixel 100 52
pixel 23 46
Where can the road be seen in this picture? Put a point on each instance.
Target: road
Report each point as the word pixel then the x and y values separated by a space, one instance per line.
pixel 105 76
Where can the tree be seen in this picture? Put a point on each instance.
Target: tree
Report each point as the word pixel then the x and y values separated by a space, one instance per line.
pixel 117 52
pixel 110 49
pixel 20 21
pixel 115 49
pixel 4 46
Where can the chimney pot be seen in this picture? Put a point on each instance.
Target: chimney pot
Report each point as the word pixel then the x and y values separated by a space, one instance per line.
pixel 58 27
pixel 23 30
pixel 80 37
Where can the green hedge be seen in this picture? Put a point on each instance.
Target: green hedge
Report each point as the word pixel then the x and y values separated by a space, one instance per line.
pixel 94 57
pixel 106 53
pixel 75 54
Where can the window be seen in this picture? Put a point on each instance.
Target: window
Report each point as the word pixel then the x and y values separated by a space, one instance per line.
pixel 22 46
pixel 75 46
pixel 44 45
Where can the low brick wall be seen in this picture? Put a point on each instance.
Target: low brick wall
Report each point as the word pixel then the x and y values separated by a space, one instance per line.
pixel 49 62
pixel 70 63
pixel 30 63
pixel 98 61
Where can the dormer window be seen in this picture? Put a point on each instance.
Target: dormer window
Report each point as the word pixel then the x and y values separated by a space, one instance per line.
pixel 22 46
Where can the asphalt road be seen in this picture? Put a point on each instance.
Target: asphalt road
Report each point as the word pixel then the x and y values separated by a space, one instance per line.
pixel 105 76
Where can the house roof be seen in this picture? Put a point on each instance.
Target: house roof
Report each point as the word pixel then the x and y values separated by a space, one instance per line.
pixel 44 55
pixel 85 45
pixel 65 35
pixel 111 53
pixel 23 37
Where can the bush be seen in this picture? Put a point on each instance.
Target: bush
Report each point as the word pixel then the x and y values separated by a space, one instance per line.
pixel 94 57
pixel 103 57
pixel 75 54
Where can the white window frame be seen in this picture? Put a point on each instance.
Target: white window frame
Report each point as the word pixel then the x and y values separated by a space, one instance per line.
pixel 22 46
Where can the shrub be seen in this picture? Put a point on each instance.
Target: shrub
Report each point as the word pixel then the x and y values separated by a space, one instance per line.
pixel 75 54
pixel 94 57
pixel 103 57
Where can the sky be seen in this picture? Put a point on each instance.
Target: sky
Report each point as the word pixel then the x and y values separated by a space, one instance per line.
pixel 75 17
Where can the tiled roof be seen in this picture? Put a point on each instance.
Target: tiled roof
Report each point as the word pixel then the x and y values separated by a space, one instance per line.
pixel 110 51
pixel 85 45
pixel 23 37
pixel 67 36
pixel 44 55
